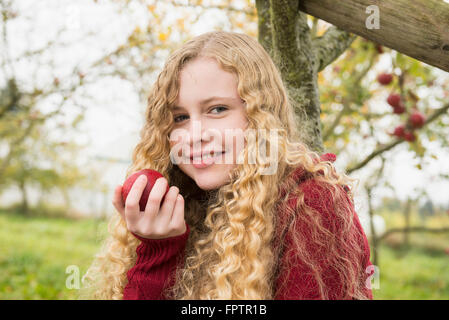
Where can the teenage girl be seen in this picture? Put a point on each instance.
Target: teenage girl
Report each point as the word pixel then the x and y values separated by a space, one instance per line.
pixel 244 222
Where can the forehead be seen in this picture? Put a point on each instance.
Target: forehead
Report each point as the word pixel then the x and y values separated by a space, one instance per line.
pixel 202 81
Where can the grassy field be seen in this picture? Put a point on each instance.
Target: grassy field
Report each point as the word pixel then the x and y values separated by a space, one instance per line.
pixel 35 254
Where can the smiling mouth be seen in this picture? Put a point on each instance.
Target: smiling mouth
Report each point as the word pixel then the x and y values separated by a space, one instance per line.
pixel 208 156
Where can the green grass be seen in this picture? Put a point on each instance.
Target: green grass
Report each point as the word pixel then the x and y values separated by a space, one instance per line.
pixel 413 274
pixel 35 252
pixel 420 271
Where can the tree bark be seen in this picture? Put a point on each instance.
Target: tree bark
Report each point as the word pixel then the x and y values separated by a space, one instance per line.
pixel 285 35
pixel 417 28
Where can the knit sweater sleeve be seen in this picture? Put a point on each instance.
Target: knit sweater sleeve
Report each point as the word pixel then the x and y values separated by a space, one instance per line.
pixel 155 265
pixel 296 280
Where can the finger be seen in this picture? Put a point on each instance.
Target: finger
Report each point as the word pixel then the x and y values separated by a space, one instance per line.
pixel 155 197
pixel 117 201
pixel 177 221
pixel 166 211
pixel 132 208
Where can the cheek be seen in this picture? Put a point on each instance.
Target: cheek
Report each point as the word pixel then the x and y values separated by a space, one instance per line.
pixel 176 138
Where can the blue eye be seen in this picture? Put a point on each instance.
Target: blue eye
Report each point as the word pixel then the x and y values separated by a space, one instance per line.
pixel 220 107
pixel 179 118
pixel 175 119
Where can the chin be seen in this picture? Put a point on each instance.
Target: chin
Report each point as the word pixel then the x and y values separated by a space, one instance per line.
pixel 208 184
pixel 208 179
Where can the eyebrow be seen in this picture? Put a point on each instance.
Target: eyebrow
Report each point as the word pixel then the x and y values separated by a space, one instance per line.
pixel 206 101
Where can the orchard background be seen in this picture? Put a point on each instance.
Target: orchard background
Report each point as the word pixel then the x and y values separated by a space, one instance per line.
pixel 73 83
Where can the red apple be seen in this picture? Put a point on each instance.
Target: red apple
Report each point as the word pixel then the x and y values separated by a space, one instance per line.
pixel 400 109
pixel 152 176
pixel 417 119
pixel 399 131
pixel 385 78
pixel 409 136
pixel 394 99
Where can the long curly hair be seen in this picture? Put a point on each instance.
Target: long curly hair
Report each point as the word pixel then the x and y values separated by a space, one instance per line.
pixel 231 252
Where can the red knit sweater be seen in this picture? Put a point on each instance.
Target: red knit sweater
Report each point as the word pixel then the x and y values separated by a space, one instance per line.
pixel 158 258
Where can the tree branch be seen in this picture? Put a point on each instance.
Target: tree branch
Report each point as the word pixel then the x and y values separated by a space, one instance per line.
pixel 13 145
pixel 330 46
pixel 415 28
pixel 391 145
pixel 412 229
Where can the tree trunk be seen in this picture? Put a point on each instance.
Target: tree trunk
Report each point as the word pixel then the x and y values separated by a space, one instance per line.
pixel 24 207
pixel 417 28
pixel 285 35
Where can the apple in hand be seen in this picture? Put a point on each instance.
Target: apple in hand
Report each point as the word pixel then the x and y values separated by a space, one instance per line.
pixel 152 176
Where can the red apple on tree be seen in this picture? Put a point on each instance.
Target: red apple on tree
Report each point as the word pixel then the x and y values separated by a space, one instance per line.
pixel 399 131
pixel 152 176
pixel 394 100
pixel 385 78
pixel 409 136
pixel 400 109
pixel 417 119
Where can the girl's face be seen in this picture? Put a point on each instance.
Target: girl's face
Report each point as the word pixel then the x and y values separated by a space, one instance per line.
pixel 208 115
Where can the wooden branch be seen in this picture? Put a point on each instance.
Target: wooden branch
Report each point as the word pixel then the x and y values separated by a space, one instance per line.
pixel 330 46
pixel 391 145
pixel 417 28
pixel 412 229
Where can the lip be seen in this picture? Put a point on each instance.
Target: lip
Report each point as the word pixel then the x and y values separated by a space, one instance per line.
pixel 206 162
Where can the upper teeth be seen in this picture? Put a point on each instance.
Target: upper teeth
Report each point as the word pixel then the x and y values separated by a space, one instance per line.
pixel 209 155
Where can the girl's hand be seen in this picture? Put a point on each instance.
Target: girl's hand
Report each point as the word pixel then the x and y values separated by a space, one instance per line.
pixel 155 222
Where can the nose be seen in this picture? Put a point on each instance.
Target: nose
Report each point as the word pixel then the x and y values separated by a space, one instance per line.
pixel 197 134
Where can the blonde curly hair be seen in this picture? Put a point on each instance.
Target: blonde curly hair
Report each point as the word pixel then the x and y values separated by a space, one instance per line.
pixel 230 252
